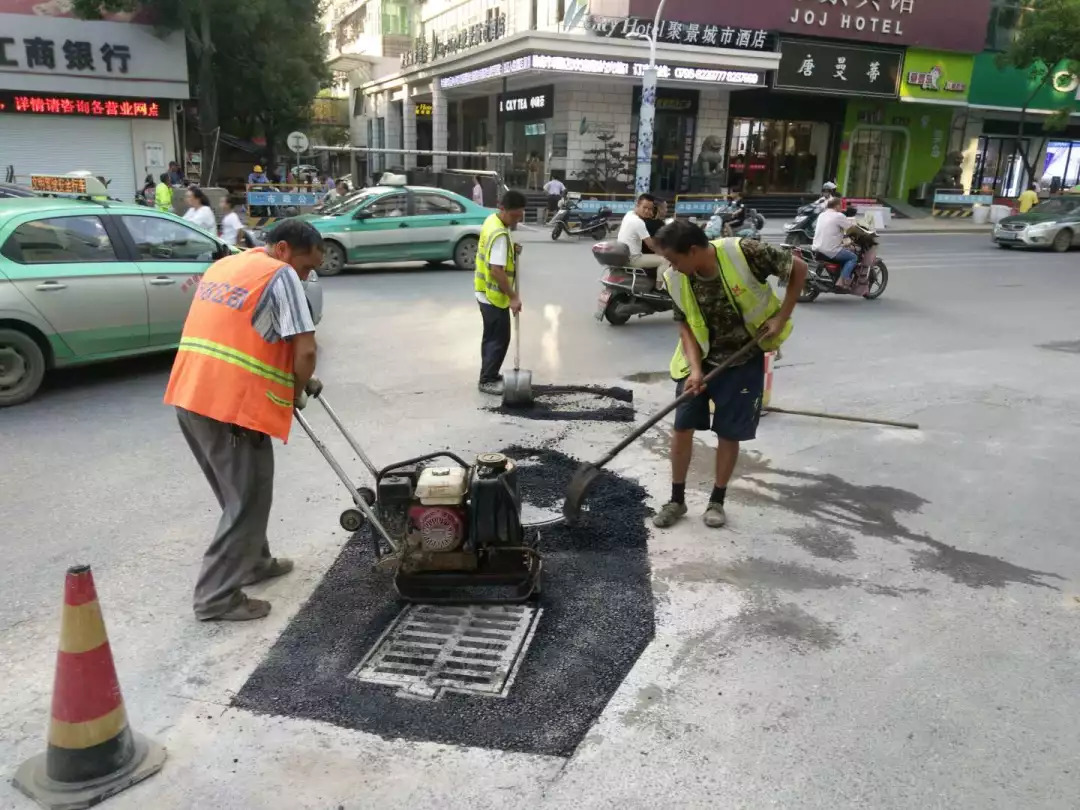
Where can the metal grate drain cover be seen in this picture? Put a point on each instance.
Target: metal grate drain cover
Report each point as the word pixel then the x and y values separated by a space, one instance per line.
pixel 430 649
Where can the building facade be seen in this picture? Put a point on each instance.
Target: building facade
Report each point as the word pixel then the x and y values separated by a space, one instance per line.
pixel 886 97
pixel 88 95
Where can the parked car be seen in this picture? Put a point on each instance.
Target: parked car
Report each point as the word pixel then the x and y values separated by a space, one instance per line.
pixel 1054 223
pixel 82 282
pixel 400 223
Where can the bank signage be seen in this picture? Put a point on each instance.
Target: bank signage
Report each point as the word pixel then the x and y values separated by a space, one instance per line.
pixel 455 41
pixel 672 32
pixel 851 70
pixel 527 105
pixel 950 25
pixel 937 76
pixel 42 54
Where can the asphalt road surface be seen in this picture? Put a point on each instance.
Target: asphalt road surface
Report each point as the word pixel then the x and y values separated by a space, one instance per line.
pixel 889 620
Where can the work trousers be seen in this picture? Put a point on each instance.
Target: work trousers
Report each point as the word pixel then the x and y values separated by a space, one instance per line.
pixel 239 465
pixel 496 341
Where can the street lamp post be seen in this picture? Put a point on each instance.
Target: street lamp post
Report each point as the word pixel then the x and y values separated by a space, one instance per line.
pixel 647 113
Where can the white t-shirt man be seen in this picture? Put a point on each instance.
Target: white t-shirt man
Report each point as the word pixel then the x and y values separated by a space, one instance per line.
pixel 554 187
pixel 497 253
pixel 478 194
pixel 829 232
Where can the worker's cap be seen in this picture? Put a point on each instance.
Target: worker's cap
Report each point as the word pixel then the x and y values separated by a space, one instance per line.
pixel 258 168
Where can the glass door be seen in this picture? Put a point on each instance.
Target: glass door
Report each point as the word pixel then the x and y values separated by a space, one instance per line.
pixel 874 158
pixel 772 156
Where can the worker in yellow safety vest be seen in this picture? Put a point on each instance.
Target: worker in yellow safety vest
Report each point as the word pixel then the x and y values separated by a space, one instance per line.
pixel 722 299
pixel 495 282
pixel 163 193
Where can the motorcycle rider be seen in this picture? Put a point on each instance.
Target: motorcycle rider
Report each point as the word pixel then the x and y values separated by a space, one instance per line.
pixel 829 240
pixel 634 233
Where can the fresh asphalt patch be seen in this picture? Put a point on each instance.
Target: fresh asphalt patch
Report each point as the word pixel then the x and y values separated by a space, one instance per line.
pixel 575 403
pixel 597 618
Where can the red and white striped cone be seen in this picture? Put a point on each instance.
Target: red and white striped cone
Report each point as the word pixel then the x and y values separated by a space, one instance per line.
pixel 92 752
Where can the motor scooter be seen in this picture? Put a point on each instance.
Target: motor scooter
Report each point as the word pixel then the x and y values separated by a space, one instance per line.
pixel 727 221
pixel 572 221
pixel 627 291
pixel 871 275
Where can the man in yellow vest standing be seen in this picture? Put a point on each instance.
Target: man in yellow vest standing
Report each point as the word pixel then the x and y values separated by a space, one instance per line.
pixel 163 193
pixel 495 283
pixel 722 298
pixel 246 359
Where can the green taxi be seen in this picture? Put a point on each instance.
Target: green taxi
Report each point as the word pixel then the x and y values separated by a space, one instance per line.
pixel 400 223
pixel 83 281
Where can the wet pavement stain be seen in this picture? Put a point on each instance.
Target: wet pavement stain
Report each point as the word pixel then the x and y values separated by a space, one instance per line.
pixel 578 403
pixel 649 377
pixel 758 573
pixel 768 619
pixel 1069 346
pixel 824 543
pixel 598 618
pixel 870 510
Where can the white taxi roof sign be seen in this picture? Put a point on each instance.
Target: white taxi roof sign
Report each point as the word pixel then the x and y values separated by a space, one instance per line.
pixel 68 184
pixel 391 179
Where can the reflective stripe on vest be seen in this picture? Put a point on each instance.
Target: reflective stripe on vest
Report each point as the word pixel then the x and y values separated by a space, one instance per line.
pixel 225 370
pixel 483 281
pixel 755 301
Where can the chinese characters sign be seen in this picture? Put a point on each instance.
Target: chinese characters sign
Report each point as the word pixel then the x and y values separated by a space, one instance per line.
pixel 674 32
pixel 529 105
pixel 440 45
pixel 838 69
pixel 82 106
pixel 937 75
pixel 41 54
pixel 952 25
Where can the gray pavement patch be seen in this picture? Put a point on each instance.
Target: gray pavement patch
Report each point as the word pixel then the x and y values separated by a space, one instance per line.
pixel 824 542
pixel 758 573
pixel 770 620
pixel 578 403
pixel 648 377
pixel 1070 346
pixel 597 619
pixel 871 510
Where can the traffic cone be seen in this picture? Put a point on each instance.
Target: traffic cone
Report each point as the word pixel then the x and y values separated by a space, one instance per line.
pixel 92 753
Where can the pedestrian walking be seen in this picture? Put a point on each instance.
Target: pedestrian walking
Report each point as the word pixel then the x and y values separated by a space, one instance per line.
pixel 477 191
pixel 495 282
pixel 230 223
pixel 246 360
pixel 722 298
pixel 199 211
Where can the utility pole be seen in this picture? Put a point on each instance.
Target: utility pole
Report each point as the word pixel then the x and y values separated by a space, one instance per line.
pixel 647 113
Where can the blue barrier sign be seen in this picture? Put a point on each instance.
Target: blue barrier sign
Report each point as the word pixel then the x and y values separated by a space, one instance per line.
pixel 282 198
pixel 616 206
pixel 703 207
pixel 945 198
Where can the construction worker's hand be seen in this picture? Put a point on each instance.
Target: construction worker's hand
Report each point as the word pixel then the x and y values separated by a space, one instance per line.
pixel 515 303
pixel 772 327
pixel 313 387
pixel 694 383
pixel 301 401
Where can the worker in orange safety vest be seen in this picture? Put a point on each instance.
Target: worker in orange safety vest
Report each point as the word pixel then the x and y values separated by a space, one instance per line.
pixel 246 360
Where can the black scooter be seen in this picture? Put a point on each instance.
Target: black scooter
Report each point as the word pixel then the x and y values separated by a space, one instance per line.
pixel 569 219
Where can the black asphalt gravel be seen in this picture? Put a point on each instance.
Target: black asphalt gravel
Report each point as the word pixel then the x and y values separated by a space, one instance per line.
pixel 575 403
pixel 597 619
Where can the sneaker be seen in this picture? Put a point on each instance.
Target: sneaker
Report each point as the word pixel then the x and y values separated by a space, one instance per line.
pixel 493 387
pixel 669 515
pixel 714 516
pixel 247 610
pixel 277 567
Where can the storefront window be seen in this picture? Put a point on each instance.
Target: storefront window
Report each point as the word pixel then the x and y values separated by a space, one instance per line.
pixel 999 167
pixel 772 156
pixel 1061 169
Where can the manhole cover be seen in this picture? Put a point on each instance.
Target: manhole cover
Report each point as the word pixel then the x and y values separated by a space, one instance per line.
pixel 430 649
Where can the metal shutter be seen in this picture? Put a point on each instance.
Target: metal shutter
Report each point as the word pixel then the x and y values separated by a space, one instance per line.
pixel 54 145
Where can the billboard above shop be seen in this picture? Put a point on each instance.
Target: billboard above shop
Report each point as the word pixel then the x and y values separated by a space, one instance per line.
pixel 937 76
pixel 950 25
pixel 527 105
pixel 583 66
pixel 671 32
pixel 1012 88
pixel 849 70
pixel 44 54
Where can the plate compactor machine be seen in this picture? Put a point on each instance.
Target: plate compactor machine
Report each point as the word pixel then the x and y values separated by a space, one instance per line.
pixel 451 531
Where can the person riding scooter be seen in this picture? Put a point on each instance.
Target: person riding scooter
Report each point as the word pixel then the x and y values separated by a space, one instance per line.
pixel 829 240
pixel 634 233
